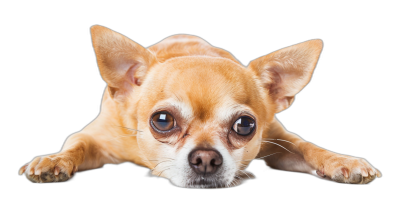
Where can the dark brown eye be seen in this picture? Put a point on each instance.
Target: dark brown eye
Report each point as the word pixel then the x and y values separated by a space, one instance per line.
pixel 163 121
pixel 244 125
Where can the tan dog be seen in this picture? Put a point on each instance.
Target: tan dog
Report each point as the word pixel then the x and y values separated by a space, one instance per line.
pixel 193 114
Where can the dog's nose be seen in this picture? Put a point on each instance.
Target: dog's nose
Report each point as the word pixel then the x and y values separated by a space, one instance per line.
pixel 205 161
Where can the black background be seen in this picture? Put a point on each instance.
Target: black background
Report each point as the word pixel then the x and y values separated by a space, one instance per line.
pixel 54 89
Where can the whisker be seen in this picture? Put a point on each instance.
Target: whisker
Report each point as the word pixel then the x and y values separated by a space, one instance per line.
pixel 160 163
pixel 277 139
pixel 242 167
pixel 278 145
pixel 245 173
pixel 235 183
pixel 232 183
pixel 128 135
pixel 159 159
pixel 122 136
pixel 128 128
pixel 227 185
pixel 263 156
pixel 163 171
pixel 252 175
pixel 269 155
pixel 238 178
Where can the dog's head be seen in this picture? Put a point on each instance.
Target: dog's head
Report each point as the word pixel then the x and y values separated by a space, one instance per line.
pixel 200 119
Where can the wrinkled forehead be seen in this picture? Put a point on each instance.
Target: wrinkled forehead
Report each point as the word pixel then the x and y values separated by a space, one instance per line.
pixel 207 88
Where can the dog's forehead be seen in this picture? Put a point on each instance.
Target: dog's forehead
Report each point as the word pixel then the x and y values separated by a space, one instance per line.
pixel 206 84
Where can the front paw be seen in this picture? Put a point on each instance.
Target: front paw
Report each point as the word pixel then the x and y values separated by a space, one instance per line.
pixel 347 169
pixel 53 168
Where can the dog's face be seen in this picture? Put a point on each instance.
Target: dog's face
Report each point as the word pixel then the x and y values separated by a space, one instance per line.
pixel 200 120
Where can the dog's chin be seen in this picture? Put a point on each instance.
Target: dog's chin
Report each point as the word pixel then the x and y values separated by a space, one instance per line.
pixel 206 183
pixel 198 181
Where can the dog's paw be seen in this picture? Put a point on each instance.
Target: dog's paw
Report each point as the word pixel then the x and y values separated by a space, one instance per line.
pixel 53 168
pixel 347 169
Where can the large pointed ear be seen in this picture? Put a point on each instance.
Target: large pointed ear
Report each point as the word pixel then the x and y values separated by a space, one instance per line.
pixel 122 62
pixel 285 72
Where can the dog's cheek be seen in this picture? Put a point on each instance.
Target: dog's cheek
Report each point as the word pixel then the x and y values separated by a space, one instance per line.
pixel 234 143
pixel 149 148
pixel 251 149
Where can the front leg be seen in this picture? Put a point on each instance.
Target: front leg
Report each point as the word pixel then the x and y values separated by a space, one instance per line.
pixel 295 154
pixel 80 152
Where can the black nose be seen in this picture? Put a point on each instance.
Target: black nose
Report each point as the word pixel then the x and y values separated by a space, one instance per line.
pixel 205 161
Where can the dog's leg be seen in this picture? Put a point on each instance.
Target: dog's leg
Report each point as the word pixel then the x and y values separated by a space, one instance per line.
pixel 287 151
pixel 80 152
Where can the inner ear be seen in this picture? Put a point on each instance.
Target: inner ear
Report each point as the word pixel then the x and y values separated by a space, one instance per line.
pixel 122 62
pixel 283 86
pixel 285 72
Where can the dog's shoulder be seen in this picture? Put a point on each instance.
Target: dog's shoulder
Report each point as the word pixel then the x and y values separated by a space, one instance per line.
pixel 186 45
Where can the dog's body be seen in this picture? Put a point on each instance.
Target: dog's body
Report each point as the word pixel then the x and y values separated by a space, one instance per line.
pixel 192 113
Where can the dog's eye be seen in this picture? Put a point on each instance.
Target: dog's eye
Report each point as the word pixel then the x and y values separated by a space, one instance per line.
pixel 163 121
pixel 244 125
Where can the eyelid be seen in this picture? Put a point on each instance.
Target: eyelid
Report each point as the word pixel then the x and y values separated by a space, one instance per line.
pixel 244 114
pixel 247 114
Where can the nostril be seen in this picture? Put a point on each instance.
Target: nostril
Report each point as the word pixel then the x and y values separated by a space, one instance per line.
pixel 212 162
pixel 217 161
pixel 198 161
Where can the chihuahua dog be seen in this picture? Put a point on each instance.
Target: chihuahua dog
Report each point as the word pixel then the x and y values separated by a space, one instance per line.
pixel 193 114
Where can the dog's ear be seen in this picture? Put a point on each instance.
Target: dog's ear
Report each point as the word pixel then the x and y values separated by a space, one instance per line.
pixel 122 62
pixel 285 72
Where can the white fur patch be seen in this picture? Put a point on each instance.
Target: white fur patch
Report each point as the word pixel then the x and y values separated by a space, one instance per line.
pixel 179 173
pixel 230 108
pixel 184 108
pixel 230 164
